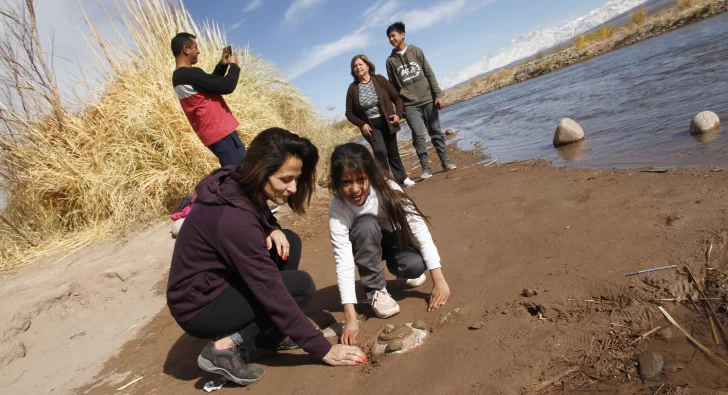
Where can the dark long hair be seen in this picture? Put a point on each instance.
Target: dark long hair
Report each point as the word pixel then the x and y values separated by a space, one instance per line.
pixel 266 155
pixel 355 158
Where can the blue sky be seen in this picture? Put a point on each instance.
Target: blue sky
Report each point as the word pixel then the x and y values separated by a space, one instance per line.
pixel 313 41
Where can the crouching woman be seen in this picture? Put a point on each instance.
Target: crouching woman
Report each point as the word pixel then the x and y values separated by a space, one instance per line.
pixel 234 276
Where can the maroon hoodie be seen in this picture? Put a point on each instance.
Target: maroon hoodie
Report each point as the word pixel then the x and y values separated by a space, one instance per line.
pixel 224 239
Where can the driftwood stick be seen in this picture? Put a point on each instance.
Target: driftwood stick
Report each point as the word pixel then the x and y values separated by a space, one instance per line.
pixel 711 312
pixel 692 339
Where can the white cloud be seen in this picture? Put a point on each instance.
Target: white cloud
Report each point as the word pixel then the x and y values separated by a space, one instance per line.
pixel 237 24
pixel 296 7
pixel 323 52
pixel 382 13
pixel 419 19
pixel 253 5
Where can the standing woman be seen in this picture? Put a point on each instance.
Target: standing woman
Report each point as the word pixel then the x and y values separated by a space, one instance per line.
pixel 374 105
pixel 234 277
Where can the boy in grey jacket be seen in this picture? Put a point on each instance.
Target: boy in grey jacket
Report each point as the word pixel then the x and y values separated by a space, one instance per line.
pixel 410 73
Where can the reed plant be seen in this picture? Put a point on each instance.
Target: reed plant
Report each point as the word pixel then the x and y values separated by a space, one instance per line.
pixel 76 172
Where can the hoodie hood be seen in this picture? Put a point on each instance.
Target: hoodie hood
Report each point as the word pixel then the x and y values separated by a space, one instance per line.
pixel 220 189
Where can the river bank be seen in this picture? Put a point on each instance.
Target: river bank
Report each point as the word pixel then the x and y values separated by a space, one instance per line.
pixel 654 25
pixel 571 235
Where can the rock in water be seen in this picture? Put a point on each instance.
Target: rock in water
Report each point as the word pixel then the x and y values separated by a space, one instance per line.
pixel 705 122
pixel 419 324
pixel 450 131
pixel 568 132
pixel 176 226
pixel 651 366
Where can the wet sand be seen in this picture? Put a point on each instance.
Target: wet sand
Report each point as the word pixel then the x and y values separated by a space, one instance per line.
pixel 570 235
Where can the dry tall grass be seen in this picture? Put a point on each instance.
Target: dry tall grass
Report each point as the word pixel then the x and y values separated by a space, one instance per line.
pixel 580 42
pixel 130 155
pixel 601 34
pixel 683 4
pixel 639 17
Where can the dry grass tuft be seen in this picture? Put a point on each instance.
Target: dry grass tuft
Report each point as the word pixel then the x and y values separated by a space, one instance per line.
pixel 129 155
pixel 684 4
pixel 639 17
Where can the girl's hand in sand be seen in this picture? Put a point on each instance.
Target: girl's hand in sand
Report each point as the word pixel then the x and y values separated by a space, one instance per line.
pixel 343 355
pixel 366 131
pixel 349 334
pixel 440 290
pixel 278 238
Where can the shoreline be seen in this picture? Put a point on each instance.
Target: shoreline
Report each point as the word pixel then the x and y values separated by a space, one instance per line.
pixel 628 35
pixel 569 233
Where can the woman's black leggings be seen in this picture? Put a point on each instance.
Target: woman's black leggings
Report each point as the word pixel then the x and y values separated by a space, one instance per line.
pixel 237 313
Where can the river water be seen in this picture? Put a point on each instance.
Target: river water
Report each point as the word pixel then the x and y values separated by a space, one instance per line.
pixel 635 105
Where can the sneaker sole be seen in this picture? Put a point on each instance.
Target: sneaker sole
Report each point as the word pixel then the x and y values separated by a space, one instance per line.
pixel 392 314
pixel 274 210
pixel 207 366
pixel 425 177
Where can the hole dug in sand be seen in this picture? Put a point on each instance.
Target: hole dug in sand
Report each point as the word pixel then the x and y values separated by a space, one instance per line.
pixel 396 339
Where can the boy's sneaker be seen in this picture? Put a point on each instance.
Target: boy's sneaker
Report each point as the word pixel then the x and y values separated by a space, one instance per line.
pixel 408 183
pixel 272 207
pixel 412 282
pixel 449 166
pixel 383 304
pixel 426 173
pixel 232 363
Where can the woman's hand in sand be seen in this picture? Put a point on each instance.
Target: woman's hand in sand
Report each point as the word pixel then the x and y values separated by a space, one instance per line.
pixel 278 238
pixel 349 334
pixel 343 355
pixel 440 290
pixel 366 131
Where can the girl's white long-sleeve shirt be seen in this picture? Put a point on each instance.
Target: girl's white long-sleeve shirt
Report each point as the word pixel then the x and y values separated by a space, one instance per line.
pixel 342 215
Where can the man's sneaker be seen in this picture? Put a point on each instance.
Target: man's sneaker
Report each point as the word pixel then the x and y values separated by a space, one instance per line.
pixel 272 207
pixel 383 304
pixel 427 173
pixel 408 183
pixel 412 282
pixel 232 363
pixel 449 166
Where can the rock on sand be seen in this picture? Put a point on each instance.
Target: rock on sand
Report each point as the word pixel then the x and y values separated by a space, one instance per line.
pixel 568 132
pixel 705 122
pixel 651 366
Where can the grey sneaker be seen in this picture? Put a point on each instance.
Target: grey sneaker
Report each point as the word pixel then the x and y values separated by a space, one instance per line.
pixel 426 173
pixel 273 207
pixel 287 344
pixel 232 363
pixel 449 166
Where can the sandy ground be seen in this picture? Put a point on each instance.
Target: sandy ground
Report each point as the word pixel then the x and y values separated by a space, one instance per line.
pixel 571 235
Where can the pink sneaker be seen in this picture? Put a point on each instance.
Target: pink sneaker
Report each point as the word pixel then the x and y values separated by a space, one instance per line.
pixel 383 304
